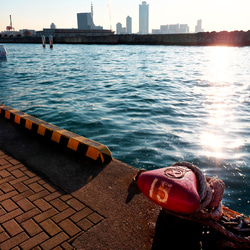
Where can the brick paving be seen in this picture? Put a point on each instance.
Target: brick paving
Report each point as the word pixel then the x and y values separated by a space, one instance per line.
pixel 35 214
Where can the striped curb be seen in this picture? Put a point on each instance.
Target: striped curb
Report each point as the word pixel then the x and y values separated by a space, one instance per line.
pixel 77 143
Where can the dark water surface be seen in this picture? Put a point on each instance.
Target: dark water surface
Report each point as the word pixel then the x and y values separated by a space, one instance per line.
pixel 151 105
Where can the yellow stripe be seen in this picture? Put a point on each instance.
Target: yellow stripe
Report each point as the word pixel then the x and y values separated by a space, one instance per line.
pixel 17 119
pixel 41 130
pixel 28 124
pixel 92 153
pixel 7 114
pixel 73 144
pixel 56 137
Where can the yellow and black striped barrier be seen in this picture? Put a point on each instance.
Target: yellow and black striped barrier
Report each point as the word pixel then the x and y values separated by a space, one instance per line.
pixel 72 141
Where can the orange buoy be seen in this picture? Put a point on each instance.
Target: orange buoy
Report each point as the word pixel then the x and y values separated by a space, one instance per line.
pixel 173 188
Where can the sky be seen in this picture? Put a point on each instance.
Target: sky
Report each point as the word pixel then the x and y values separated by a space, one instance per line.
pixel 216 15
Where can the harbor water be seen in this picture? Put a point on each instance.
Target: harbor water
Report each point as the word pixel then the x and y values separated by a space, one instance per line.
pixel 151 105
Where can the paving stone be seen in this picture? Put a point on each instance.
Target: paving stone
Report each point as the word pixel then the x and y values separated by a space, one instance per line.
pixel 45 215
pixel 25 204
pixel 34 241
pixel 36 187
pixel 36 196
pixel 7 179
pixel 8 195
pixel 52 196
pixel 4 173
pixel 81 214
pixel 50 227
pixel 63 215
pixel 69 227
pixel 23 178
pixel 10 215
pixel 42 204
pixel 27 215
pixel 59 204
pixel 14 241
pixel 17 173
pixel 12 227
pixel 20 187
pixel 3 237
pixel 95 218
pixel 85 224
pixel 55 241
pixel 14 161
pixel 3 162
pixel 6 187
pixel 31 227
pixel 8 205
pixel 22 195
pixel 77 205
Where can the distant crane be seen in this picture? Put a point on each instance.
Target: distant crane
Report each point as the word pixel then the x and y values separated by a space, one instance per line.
pixel 10 27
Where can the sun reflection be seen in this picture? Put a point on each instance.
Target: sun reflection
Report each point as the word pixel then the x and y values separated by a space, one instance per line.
pixel 216 136
pixel 220 62
pixel 213 144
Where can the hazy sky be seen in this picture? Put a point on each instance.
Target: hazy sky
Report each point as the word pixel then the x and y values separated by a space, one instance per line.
pixel 216 15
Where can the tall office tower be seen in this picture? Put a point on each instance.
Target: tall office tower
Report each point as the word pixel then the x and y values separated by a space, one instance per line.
pixel 198 27
pixel 85 21
pixel 129 25
pixel 143 18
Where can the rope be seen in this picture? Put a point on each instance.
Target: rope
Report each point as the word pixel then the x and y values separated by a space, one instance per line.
pixel 209 213
pixel 210 190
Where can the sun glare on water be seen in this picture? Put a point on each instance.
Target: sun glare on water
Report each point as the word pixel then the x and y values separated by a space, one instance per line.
pixel 217 137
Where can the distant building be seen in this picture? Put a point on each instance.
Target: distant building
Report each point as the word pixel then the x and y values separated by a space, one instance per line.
pixel 119 29
pixel 156 31
pixel 143 18
pixel 53 26
pixel 172 29
pixel 183 28
pixel 129 25
pixel 27 32
pixel 164 29
pixel 198 27
pixel 85 21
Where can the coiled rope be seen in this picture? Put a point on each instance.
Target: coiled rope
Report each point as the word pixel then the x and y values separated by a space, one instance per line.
pixel 210 212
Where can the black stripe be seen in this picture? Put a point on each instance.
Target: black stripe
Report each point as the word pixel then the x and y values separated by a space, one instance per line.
pixel 48 134
pixel 64 141
pixel 22 122
pixel 34 127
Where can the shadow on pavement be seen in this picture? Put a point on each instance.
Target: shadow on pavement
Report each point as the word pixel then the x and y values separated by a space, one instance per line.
pixel 60 165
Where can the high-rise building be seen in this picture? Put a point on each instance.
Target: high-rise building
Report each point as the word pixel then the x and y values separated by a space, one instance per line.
pixel 129 25
pixel 143 18
pixel 85 21
pixel 120 29
pixel 198 27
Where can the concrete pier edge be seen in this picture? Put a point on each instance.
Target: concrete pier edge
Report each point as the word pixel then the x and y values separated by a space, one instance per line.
pixel 88 148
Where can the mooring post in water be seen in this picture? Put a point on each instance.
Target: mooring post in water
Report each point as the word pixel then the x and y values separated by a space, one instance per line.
pixel 51 41
pixel 44 41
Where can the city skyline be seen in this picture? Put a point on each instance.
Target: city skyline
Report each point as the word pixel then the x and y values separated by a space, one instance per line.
pixel 216 15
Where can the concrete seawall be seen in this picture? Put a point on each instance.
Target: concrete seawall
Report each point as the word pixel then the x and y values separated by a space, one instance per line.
pixel 224 38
